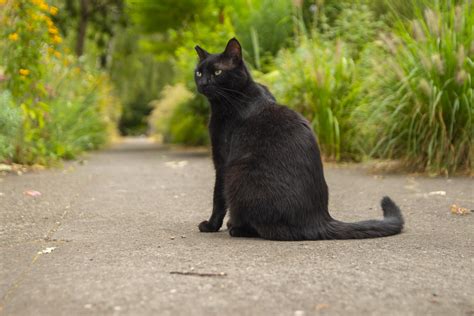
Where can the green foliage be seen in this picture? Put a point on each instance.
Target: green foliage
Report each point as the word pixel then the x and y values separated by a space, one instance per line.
pixel 188 123
pixel 10 122
pixel 356 25
pixel 149 77
pixel 263 28
pixel 100 19
pixel 62 105
pixel 163 109
pixel 180 117
pixel 422 95
pixel 375 77
pixel 318 80
pixel 163 15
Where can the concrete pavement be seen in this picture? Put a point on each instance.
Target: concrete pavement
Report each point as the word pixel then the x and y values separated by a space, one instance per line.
pixel 104 238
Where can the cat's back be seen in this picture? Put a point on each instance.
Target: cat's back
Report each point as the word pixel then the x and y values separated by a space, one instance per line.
pixel 278 121
pixel 275 131
pixel 274 153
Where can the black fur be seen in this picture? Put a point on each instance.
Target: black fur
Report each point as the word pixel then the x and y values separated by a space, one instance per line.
pixel 268 166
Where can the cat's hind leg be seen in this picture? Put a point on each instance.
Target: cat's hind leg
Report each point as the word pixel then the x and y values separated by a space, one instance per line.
pixel 280 232
pixel 242 231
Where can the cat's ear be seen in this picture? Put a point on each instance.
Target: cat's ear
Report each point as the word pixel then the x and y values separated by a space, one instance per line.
pixel 233 49
pixel 201 53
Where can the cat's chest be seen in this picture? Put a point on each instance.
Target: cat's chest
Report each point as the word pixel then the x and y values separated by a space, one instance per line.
pixel 221 136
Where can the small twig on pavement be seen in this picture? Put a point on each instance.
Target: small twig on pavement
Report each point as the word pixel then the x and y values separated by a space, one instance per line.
pixel 220 274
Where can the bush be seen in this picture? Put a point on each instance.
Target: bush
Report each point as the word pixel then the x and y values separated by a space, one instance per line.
pixel 318 79
pixel 422 93
pixel 188 123
pixel 82 116
pixel 356 25
pixel 263 27
pixel 180 117
pixel 163 109
pixel 10 122
pixel 64 107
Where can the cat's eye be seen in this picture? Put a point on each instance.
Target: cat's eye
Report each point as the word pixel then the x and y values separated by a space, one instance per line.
pixel 217 72
pixel 198 73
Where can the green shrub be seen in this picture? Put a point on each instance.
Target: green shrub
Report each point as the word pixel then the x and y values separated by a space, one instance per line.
pixel 263 27
pixel 60 106
pixel 356 25
pixel 74 126
pixel 10 122
pixel 188 122
pixel 163 109
pixel 318 79
pixel 421 95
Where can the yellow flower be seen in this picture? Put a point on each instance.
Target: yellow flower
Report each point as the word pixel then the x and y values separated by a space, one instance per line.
pixel 13 37
pixel 2 2
pixel 53 30
pixel 57 39
pixel 53 10
pixel 48 21
pixel 24 72
pixel 57 54
pixel 43 6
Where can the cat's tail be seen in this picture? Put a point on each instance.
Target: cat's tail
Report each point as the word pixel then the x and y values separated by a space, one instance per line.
pixel 391 224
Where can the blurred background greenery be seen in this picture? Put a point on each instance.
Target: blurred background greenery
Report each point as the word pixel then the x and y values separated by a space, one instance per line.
pixel 376 78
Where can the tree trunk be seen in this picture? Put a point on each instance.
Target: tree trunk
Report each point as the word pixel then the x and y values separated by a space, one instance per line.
pixel 82 29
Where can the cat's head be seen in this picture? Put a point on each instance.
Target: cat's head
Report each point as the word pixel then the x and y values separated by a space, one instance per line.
pixel 218 74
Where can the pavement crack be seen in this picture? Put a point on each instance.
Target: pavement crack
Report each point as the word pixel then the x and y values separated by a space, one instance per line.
pixel 48 238
pixel 17 282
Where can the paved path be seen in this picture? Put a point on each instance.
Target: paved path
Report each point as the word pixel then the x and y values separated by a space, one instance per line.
pixel 122 222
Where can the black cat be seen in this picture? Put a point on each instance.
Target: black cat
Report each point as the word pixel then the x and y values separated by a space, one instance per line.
pixel 268 165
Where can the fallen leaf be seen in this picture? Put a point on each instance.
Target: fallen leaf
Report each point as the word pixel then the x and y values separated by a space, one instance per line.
pixel 47 250
pixel 32 193
pixel 458 210
pixel 176 164
pixel 321 306
pixel 443 193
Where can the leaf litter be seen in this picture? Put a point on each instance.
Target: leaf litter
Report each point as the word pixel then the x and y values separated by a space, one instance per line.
pixel 176 164
pixel 32 193
pixel 458 210
pixel 47 250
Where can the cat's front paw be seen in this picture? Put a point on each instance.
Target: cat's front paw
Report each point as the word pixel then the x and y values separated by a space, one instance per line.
pixel 208 227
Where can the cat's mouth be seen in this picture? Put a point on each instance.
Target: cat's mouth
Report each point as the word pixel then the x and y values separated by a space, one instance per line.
pixel 207 90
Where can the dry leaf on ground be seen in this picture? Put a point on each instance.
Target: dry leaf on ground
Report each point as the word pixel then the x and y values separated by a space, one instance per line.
pixel 443 193
pixel 458 210
pixel 32 193
pixel 176 164
pixel 47 250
